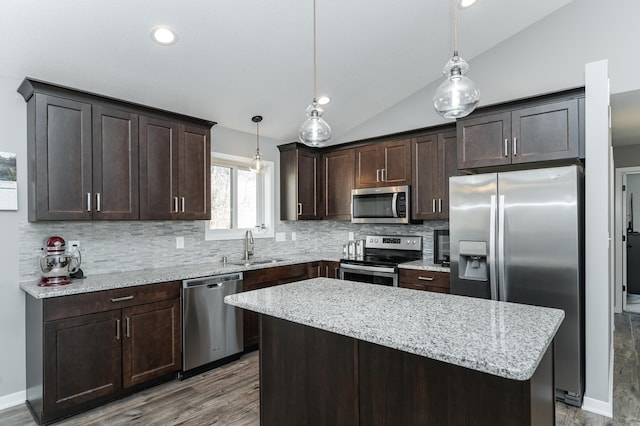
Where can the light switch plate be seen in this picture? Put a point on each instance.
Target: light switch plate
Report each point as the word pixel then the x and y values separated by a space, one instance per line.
pixel 293 236
pixel 179 242
pixel 280 236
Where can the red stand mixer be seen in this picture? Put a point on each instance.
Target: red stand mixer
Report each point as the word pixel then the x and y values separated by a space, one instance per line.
pixel 57 264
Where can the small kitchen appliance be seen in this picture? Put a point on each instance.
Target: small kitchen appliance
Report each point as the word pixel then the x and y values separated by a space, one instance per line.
pixel 380 259
pixel 58 263
pixel 390 204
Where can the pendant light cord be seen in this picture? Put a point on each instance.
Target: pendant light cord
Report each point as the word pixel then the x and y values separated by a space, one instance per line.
pixel 258 137
pixel 314 53
pixel 455 26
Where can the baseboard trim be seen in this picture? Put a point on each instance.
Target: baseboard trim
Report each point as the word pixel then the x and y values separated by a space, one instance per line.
pixel 13 399
pixel 596 406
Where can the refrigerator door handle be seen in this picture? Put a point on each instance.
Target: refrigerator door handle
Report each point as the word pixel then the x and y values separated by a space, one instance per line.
pixel 502 295
pixel 493 285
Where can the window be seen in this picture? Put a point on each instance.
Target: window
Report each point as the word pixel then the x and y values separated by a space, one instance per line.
pixel 240 199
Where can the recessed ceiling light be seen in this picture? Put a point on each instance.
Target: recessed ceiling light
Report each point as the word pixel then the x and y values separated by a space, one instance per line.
pixel 163 35
pixel 466 3
pixel 323 100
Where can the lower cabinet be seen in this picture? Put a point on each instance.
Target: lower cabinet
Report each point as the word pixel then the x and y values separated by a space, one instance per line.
pixel 85 349
pixel 263 278
pixel 424 280
pixel 324 269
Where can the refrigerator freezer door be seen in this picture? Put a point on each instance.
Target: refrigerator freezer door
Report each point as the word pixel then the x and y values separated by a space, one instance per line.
pixel 543 255
pixel 470 223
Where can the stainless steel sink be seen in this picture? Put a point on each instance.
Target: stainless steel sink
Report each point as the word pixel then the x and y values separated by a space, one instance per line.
pixel 253 262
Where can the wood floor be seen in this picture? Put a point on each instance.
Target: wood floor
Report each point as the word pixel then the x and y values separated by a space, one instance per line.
pixel 229 395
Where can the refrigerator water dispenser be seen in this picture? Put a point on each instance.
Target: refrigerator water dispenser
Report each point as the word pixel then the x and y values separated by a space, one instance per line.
pixel 473 260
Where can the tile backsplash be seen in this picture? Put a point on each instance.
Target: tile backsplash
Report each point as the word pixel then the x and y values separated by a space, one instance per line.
pixel 116 246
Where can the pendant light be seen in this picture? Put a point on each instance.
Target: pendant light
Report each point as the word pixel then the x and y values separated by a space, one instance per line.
pixel 257 165
pixel 457 96
pixel 314 131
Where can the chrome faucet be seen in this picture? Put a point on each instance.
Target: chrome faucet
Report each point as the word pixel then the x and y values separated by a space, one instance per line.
pixel 248 244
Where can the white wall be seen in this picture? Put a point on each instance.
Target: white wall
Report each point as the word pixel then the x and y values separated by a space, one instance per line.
pixel 13 119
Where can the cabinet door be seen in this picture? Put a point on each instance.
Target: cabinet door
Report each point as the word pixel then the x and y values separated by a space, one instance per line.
pixel 307 185
pixel 368 166
pixel 545 132
pixel 81 360
pixel 331 269
pixel 484 141
pixel 425 177
pixel 195 174
pixel 338 180
pixel 158 168
pixel 397 163
pixel 151 345
pixel 447 167
pixel 62 172
pixel 115 164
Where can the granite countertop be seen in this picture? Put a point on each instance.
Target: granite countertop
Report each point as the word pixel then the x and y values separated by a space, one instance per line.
pixel 157 275
pixel 499 338
pixel 424 265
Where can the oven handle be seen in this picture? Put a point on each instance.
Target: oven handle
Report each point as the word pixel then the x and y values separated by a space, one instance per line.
pixel 390 270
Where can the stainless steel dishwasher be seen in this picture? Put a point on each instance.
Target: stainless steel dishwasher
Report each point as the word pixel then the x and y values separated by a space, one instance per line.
pixel 211 330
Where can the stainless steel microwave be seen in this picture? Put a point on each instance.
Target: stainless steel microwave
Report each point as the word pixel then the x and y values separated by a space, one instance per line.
pixel 390 204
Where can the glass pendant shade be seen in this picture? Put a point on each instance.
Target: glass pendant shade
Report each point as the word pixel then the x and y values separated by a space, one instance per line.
pixel 314 130
pixel 257 165
pixel 457 96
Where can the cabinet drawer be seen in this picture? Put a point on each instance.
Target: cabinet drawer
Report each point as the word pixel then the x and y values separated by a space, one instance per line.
pixel 274 276
pixel 99 301
pixel 424 280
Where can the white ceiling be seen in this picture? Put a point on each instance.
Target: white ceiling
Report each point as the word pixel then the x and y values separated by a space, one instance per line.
pixel 238 58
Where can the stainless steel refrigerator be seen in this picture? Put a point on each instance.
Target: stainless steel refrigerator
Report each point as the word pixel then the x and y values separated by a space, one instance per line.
pixel 518 237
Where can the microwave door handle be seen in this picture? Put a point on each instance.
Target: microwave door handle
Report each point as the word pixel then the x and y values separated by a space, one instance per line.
pixel 394 204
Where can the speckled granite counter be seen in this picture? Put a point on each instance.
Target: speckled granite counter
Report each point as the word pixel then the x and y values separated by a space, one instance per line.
pixel 502 339
pixel 157 275
pixel 424 265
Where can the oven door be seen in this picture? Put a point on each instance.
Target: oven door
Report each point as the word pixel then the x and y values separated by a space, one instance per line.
pixel 383 275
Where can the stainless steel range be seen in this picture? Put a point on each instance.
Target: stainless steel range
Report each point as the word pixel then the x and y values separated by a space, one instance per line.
pixel 379 263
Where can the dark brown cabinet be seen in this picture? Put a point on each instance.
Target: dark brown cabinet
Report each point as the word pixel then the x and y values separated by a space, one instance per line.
pixel 86 153
pixel 85 349
pixel 338 179
pixel 263 278
pixel 424 280
pixel 324 269
pixel 175 164
pixel 299 182
pixel 434 161
pixel 531 133
pixel 383 164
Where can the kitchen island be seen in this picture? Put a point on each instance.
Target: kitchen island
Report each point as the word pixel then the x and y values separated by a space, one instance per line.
pixel 340 352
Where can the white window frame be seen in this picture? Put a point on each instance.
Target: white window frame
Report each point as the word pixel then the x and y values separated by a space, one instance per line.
pixel 266 199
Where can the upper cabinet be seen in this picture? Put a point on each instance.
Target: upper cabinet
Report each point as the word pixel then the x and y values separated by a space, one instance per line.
pixel 536 131
pixel 299 182
pixel 338 178
pixel 96 158
pixel 434 161
pixel 383 164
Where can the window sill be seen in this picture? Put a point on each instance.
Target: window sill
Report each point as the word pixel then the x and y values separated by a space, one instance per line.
pixel 235 234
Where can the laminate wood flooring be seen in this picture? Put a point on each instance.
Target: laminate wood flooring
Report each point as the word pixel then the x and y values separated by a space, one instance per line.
pixel 229 395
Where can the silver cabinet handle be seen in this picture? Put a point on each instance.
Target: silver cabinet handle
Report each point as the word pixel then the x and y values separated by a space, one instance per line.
pixel 184 203
pixel 319 271
pixel 439 205
pixel 377 175
pixel 299 209
pixel 433 205
pixel 382 173
pixel 121 299
pixel 506 147
pixel 117 329
pixel 127 326
pixel 515 146
pixel 88 201
pixel 425 278
pixel 336 271
pixel 175 204
pixel 98 201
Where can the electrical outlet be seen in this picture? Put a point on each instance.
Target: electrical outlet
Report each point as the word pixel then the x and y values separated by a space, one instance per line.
pixel 73 245
pixel 179 242
pixel 280 236
pixel 293 236
pixel 351 236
